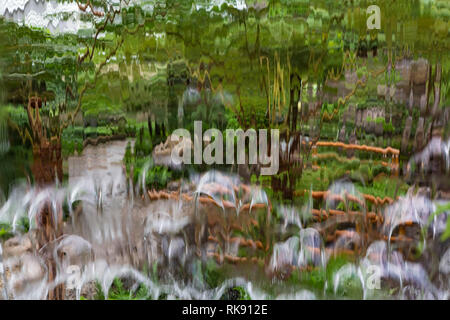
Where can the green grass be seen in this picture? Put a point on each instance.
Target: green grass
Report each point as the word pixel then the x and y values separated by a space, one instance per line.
pixel 384 187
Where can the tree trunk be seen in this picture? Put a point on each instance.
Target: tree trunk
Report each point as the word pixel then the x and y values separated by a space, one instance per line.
pixel 47 166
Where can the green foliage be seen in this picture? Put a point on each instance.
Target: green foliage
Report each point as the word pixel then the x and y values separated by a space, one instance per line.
pixel 212 274
pixel 236 293
pixel 157 177
pixel 385 187
pixel 317 180
pixel 72 140
pixel 361 72
pixel 23 225
pixel 94 132
pixel 143 144
pixel 232 121
pixel 388 128
pixel 370 171
pixel 129 156
pixel 316 278
pixel 5 231
pixel 17 114
pixel 130 129
pixel 118 292
pixel 441 209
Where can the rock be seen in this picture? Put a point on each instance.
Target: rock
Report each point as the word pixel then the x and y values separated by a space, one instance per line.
pixel 17 246
pixel 88 291
pixel 359 118
pixel 370 127
pixel 28 274
pixel 26 271
pixel 366 114
pixel 444 265
pixel 411 100
pixel 74 250
pixel 378 112
pixel 381 90
pixel 342 135
pixel 406 134
pixel 424 192
pixel 404 68
pixel 174 185
pixel 423 104
pixel 443 120
pixel 419 71
pixel 378 128
pixel 420 135
pixel 400 95
pixel 387 94
pixel 32 267
pixel 392 91
pixel 162 153
pixel 352 140
pixel 432 160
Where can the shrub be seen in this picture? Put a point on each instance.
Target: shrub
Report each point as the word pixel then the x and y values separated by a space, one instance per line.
pixel 5 231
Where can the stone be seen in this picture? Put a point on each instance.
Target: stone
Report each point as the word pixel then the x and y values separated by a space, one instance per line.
pixel 406 134
pixel 381 90
pixel 74 250
pixel 392 91
pixel 419 71
pixel 370 128
pixel 404 68
pixel 423 104
pixel 27 274
pixel 174 185
pixel 352 140
pixel 419 136
pixel 378 128
pixel 359 119
pixel 350 113
pixel 366 114
pixel 162 153
pixel 17 246
pixel 88 291
pixel 342 135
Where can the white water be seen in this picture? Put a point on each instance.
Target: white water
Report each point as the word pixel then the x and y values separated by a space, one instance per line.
pixel 117 234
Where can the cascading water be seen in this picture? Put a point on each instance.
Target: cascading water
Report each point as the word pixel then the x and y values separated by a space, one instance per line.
pixel 166 244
